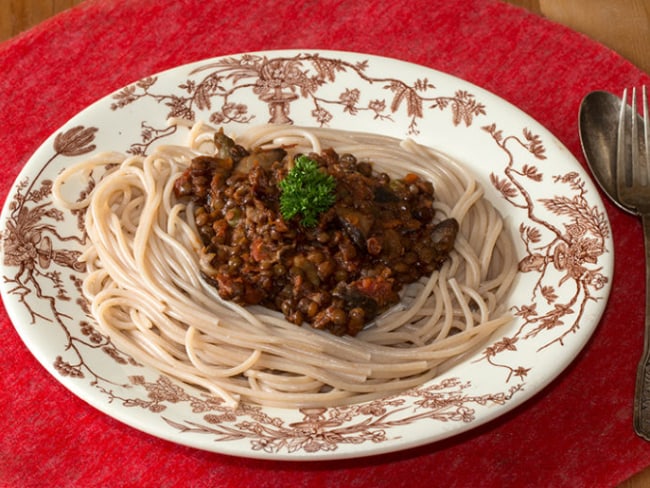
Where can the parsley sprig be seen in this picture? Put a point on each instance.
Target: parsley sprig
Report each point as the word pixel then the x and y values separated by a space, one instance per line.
pixel 306 190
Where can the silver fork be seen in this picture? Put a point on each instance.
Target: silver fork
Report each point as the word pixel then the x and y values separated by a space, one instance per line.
pixel 633 187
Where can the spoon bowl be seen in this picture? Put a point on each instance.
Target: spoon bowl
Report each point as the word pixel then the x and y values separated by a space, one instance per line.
pixel 598 122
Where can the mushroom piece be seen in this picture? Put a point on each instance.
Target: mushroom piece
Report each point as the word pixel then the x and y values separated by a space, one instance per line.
pixel 444 235
pixel 263 158
pixel 356 224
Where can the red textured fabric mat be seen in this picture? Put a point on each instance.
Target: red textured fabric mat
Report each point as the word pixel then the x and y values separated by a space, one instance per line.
pixel 577 432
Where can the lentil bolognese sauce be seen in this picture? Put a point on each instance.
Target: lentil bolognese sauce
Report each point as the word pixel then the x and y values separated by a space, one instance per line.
pixel 339 272
pixel 202 257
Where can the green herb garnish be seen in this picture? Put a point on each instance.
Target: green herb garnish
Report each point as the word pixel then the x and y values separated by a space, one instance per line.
pixel 306 190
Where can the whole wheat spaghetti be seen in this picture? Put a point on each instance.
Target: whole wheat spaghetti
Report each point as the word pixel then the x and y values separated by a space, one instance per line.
pixel 146 291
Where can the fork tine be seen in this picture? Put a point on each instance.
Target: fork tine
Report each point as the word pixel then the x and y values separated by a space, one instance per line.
pixel 621 163
pixel 634 139
pixel 646 135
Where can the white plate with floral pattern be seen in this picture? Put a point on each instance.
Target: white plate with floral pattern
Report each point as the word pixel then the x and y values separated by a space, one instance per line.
pixel 554 212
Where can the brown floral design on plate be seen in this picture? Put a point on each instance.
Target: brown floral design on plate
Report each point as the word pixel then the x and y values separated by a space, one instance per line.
pixel 279 82
pixel 556 215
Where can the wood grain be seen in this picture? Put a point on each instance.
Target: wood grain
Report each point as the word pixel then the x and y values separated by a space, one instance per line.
pixel 622 25
pixel 17 16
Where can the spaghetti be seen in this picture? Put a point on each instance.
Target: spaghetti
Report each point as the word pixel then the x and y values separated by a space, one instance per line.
pixel 146 292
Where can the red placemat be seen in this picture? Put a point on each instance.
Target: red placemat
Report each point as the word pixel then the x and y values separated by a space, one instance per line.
pixel 577 432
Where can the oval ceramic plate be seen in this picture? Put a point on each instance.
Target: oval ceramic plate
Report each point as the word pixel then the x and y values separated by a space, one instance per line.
pixel 553 211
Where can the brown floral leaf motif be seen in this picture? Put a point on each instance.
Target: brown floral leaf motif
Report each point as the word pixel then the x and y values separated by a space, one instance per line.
pixel 378 408
pixel 377 106
pixel 405 94
pixel 159 392
pixel 554 319
pixel 238 69
pixel 138 380
pixel 152 406
pixel 521 372
pixel 548 292
pixel 326 68
pixel 531 172
pixel 585 221
pixel 589 250
pixel 349 99
pixel 66 369
pixel 503 186
pixel 423 85
pixel 147 82
pixel 128 95
pixel 322 116
pixel 221 433
pixel 457 115
pixel 124 97
pixel 374 408
pixel 526 311
pixel 572 178
pixel 179 107
pixel 530 234
pixel 94 336
pixel 163 390
pixel 147 133
pixel 400 94
pixel 228 416
pixel 189 86
pixel 321 430
pixel 589 218
pixel 491 129
pixel 137 150
pixel 563 205
pixel 44 191
pixel 465 107
pixel 505 344
pixel 361 66
pixel 75 141
pixel 441 104
pixel 209 403
pixel 535 145
pixel 112 352
pixel 205 90
pixel 202 98
pixel 473 106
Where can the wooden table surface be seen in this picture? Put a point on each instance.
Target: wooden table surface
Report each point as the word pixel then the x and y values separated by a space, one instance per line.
pixel 622 25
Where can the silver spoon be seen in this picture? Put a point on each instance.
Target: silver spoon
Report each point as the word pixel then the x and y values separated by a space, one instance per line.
pixel 599 132
pixel 598 122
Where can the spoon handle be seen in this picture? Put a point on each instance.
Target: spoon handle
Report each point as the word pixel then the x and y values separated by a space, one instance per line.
pixel 642 390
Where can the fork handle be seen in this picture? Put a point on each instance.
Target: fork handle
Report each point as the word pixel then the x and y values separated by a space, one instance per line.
pixel 642 390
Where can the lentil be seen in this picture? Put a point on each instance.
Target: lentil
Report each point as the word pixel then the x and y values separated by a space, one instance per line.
pixel 379 235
